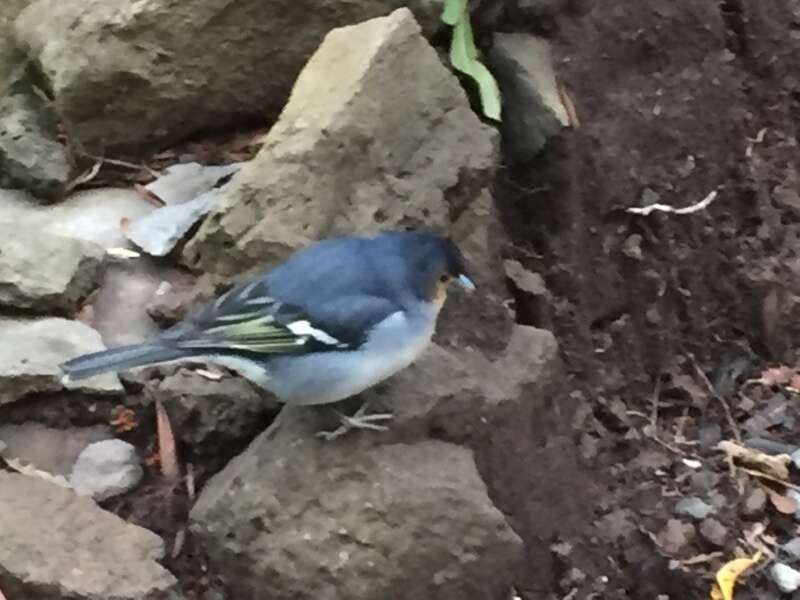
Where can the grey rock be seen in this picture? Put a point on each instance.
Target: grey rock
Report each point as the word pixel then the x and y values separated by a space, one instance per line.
pixel 42 272
pixel 59 545
pixel 420 160
pixel 295 517
pixel 525 280
pixel 209 415
pixel 792 547
pixel 755 502
pixel 160 231
pixel 785 577
pixel 532 108
pixel 158 81
pixel 105 469
pixel 48 449
pixel 714 532
pixel 675 536
pixel 30 156
pixel 12 60
pixel 693 507
pixel 31 363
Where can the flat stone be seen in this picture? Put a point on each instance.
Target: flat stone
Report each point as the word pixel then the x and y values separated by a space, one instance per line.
pixel 46 448
pixel 56 544
pixel 31 363
pixel 49 275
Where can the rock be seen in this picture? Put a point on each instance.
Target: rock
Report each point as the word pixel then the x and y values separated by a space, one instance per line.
pixel 460 394
pixel 97 215
pixel 525 280
pixel 30 156
pixel 158 81
pixel 12 60
pixel 59 545
pixel 47 449
pixel 532 108
pixel 786 578
pixel 189 191
pixel 713 532
pixel 676 536
pixel 296 517
pixel 105 469
pixel 31 364
pixel 211 416
pixel 792 547
pixel 755 502
pixel 693 507
pixel 50 275
pixel 421 159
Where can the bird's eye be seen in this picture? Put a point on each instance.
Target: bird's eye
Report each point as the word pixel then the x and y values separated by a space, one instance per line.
pixel 444 278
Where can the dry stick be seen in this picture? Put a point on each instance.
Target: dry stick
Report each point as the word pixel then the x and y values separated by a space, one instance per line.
pixel 686 210
pixel 726 407
pixel 122 163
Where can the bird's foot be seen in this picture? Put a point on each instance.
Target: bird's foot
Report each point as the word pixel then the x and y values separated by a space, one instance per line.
pixel 360 420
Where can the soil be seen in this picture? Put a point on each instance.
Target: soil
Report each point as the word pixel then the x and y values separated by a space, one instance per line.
pixel 661 318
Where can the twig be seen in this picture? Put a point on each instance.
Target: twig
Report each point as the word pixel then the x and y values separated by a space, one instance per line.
pixel 122 163
pixel 725 406
pixel 166 445
pixel 686 210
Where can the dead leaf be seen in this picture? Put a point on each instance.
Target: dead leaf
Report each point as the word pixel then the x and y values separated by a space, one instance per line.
pixel 123 419
pixel 774 467
pixel 782 503
pixel 776 376
pixel 167 454
pixel 728 574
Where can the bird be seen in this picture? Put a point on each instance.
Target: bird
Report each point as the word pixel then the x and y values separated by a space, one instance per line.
pixel 334 319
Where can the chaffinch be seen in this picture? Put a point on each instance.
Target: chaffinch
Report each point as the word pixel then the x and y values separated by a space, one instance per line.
pixel 334 319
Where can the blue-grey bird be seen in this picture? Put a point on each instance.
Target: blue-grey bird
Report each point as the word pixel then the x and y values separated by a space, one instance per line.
pixel 334 319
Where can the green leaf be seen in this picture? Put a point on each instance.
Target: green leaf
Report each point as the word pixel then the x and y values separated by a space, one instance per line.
pixel 464 58
pixel 453 10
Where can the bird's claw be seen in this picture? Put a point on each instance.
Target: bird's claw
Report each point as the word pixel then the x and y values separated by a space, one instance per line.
pixel 360 420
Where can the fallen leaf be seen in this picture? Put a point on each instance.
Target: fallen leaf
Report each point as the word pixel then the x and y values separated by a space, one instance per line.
pixel 123 419
pixel 774 467
pixel 167 454
pixel 776 376
pixel 728 574
pixel 782 503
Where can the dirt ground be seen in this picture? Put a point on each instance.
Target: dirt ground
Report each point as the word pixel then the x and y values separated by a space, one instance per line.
pixel 676 99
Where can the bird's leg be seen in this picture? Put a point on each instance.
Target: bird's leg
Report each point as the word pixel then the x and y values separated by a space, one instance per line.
pixel 360 420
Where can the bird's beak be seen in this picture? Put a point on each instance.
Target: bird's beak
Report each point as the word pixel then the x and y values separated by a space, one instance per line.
pixel 465 282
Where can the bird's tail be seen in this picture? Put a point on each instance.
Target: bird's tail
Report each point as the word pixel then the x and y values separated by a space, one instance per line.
pixel 119 359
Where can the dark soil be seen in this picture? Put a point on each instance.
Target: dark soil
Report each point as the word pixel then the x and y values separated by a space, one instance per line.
pixel 671 97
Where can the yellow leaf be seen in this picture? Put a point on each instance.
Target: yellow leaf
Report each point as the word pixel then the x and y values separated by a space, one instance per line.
pixel 727 575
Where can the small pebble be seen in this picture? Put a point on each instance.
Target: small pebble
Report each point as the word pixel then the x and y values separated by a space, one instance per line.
pixel 106 469
pixel 756 502
pixel 713 532
pixel 792 548
pixel 693 507
pixel 675 536
pixel 787 578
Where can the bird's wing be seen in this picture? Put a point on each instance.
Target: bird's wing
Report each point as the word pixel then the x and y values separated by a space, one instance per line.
pixel 249 319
